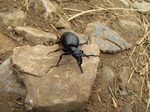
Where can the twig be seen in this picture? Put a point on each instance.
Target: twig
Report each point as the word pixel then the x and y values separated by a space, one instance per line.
pixel 148 86
pixel 95 10
pixel 145 36
pixel 58 33
pixel 130 77
pixel 112 94
pixel 73 10
pixel 141 92
pixel 98 96
pixel 133 65
pixel 26 4
pixel 132 52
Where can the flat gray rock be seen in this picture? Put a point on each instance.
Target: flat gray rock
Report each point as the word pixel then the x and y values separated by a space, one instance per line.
pixel 63 88
pixel 107 39
pixel 143 7
pixel 35 36
pixel 9 81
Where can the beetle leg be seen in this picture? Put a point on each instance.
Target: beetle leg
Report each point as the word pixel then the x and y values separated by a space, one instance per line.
pixel 55 51
pixel 84 55
pixel 80 67
pixel 61 57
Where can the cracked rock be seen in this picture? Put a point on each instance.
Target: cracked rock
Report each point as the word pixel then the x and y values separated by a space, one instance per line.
pixel 61 89
pixel 107 39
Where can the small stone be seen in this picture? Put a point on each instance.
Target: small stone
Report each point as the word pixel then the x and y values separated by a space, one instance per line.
pixel 108 74
pixel 123 93
pixel 127 108
pixel 14 18
pixel 107 40
pixel 9 81
pixel 123 79
pixel 63 88
pixel 131 28
pixel 35 36
pixel 6 44
pixel 62 23
pixel 143 7
pixel 82 37
pixel 46 7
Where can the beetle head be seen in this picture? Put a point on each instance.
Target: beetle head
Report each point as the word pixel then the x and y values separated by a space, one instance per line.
pixel 78 56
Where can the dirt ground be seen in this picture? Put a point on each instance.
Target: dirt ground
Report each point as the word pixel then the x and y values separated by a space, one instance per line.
pixel 106 96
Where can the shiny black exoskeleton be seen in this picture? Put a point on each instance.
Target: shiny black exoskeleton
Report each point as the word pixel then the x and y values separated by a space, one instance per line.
pixel 70 43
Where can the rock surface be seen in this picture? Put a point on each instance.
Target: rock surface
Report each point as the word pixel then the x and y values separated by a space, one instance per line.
pixel 46 7
pixel 131 28
pixel 143 7
pixel 63 88
pixel 14 18
pixel 107 40
pixel 107 74
pixel 35 36
pixel 6 44
pixel 62 23
pixel 9 81
pixel 127 108
pixel 123 79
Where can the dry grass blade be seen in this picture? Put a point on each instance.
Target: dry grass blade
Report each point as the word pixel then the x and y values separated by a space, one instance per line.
pixel 95 10
pixel 73 10
pixel 112 93
pixel 26 4
pixel 145 36
pixel 114 103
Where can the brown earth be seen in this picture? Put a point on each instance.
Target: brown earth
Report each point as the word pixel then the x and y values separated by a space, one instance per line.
pixel 106 95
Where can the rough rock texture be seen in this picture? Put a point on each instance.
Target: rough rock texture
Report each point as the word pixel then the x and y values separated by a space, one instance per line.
pixel 107 74
pixel 123 79
pixel 62 23
pixel 63 88
pixel 9 81
pixel 124 2
pixel 35 36
pixel 107 40
pixel 14 18
pixel 6 44
pixel 131 28
pixel 82 37
pixel 143 7
pixel 46 7
pixel 127 108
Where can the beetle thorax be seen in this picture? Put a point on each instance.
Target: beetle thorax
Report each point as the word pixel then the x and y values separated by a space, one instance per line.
pixel 73 49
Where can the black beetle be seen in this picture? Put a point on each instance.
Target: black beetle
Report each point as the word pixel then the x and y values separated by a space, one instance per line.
pixel 70 43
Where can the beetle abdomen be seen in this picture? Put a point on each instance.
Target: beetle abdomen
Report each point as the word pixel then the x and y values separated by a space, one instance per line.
pixel 69 39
